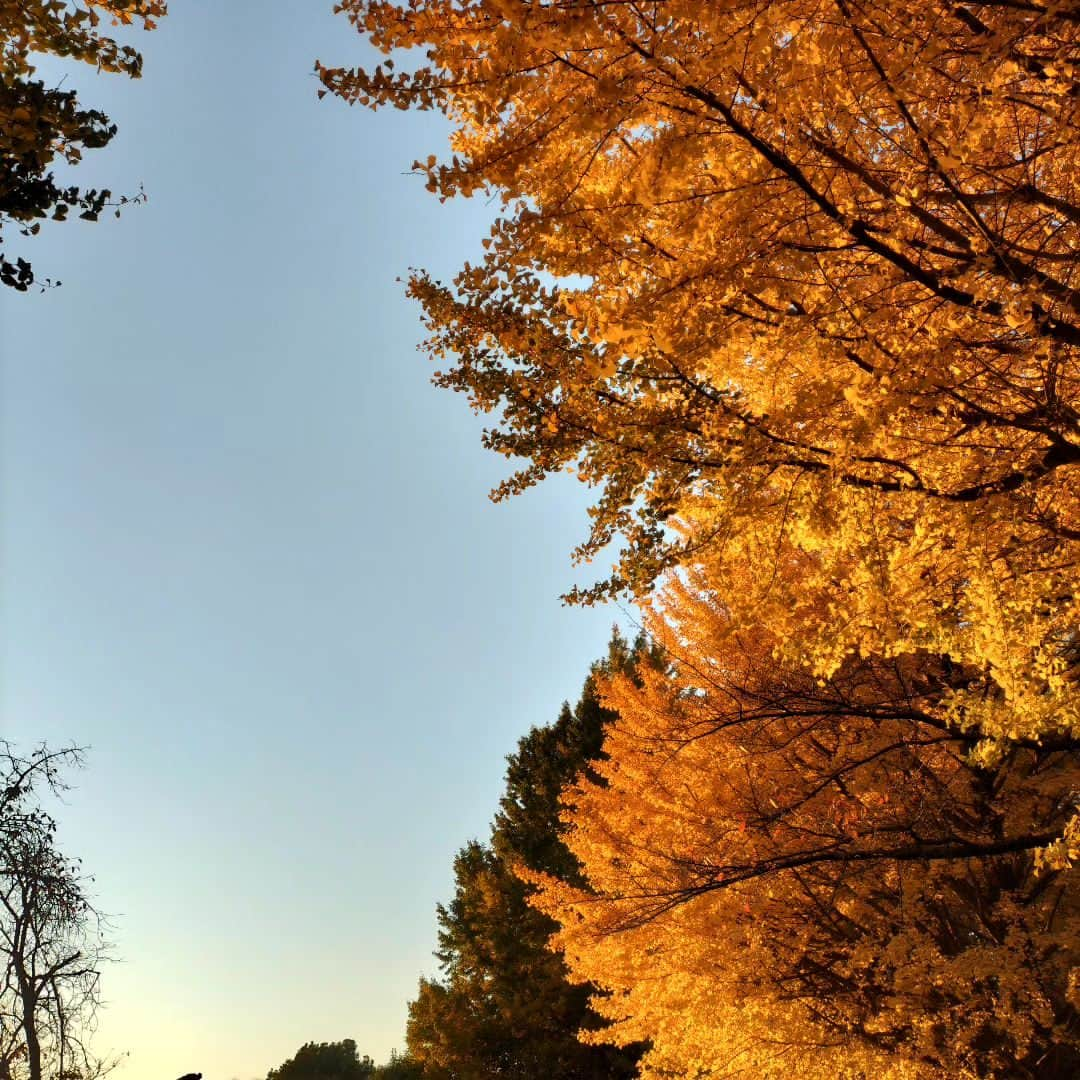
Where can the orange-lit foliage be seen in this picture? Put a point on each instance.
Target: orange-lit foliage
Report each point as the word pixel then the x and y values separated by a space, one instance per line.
pixel 796 275
pixel 793 283
pixel 39 124
pixel 502 1005
pixel 799 877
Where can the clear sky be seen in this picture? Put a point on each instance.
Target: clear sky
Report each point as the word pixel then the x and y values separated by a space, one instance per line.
pixel 248 556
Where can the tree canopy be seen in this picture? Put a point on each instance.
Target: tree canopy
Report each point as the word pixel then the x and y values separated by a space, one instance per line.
pixel 341 1061
pixel 42 126
pixel 504 1005
pixel 784 280
pixel 813 877
pixel 792 285
pixel 325 1061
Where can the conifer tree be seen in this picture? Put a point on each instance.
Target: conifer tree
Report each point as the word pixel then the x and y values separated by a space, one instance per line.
pixel 503 1005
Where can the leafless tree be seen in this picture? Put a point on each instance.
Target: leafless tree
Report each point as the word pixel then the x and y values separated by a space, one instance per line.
pixel 51 936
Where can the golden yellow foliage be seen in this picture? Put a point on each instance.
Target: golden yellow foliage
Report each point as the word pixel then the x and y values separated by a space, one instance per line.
pixel 790 876
pixel 793 284
pixel 796 275
pixel 72 30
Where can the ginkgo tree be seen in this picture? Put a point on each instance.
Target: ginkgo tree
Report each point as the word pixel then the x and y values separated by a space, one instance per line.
pixel 782 279
pixel 42 126
pixel 793 285
pixel 793 876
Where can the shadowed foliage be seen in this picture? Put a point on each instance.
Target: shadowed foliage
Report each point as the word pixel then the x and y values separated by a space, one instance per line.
pixel 504 1006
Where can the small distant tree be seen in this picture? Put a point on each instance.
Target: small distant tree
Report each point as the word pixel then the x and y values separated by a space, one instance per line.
pixel 325 1061
pixel 50 933
pixel 399 1067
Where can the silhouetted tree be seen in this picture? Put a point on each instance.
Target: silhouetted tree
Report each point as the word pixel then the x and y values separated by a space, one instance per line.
pixel 399 1067
pixel 504 1006
pixel 50 933
pixel 42 125
pixel 325 1061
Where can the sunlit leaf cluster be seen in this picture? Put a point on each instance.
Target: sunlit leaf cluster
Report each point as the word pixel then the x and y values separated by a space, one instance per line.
pixel 814 877
pixel 792 286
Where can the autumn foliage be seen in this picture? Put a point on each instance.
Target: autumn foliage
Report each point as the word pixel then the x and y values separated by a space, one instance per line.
pixel 43 126
pixel 793 285
pixel 504 1004
pixel 814 874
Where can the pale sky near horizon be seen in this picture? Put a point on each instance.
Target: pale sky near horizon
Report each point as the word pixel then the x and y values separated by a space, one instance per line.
pixel 248 557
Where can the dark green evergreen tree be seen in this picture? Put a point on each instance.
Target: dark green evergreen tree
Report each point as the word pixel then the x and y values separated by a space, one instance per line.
pixel 503 1006
pixel 325 1061
pixel 399 1067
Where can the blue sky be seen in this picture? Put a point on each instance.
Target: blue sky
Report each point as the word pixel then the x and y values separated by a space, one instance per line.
pixel 248 557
